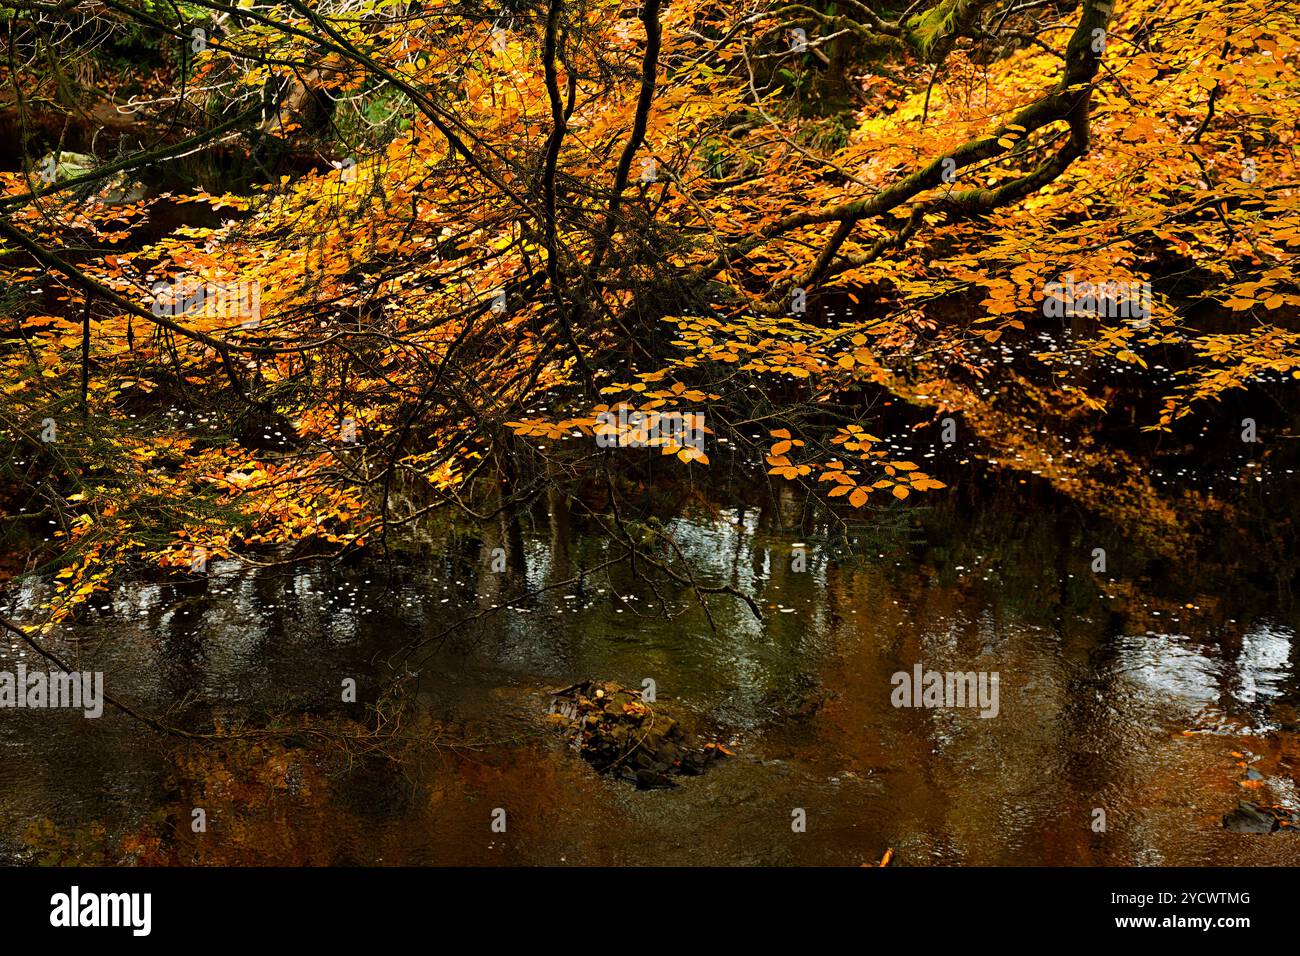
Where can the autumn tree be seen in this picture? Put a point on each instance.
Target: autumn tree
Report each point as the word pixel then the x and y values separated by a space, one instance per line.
pixel 484 252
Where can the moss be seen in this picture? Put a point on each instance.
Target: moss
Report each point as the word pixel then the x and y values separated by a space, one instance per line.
pixel 930 31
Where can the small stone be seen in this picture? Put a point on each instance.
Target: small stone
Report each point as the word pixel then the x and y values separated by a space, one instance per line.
pixel 1248 818
pixel 652 780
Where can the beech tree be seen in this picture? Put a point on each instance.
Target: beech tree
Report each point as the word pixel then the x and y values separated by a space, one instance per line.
pixel 473 241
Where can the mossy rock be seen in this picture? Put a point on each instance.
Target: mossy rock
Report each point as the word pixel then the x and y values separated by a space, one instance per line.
pixel 800 702
pixel 646 743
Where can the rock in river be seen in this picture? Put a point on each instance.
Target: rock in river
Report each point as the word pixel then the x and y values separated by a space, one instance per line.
pixel 1249 818
pixel 646 743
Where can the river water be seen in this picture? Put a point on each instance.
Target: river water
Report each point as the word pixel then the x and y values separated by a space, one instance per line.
pixel 1149 701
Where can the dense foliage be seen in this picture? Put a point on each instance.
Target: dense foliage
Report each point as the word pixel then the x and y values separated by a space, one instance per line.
pixel 454 236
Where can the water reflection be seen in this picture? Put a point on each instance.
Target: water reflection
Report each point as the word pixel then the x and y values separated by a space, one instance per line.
pixel 1242 676
pixel 1099 708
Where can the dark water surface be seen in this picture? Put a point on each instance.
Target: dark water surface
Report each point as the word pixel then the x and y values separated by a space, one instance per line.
pixel 1142 698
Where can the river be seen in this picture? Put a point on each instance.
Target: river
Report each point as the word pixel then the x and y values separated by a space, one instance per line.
pixel 1131 712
